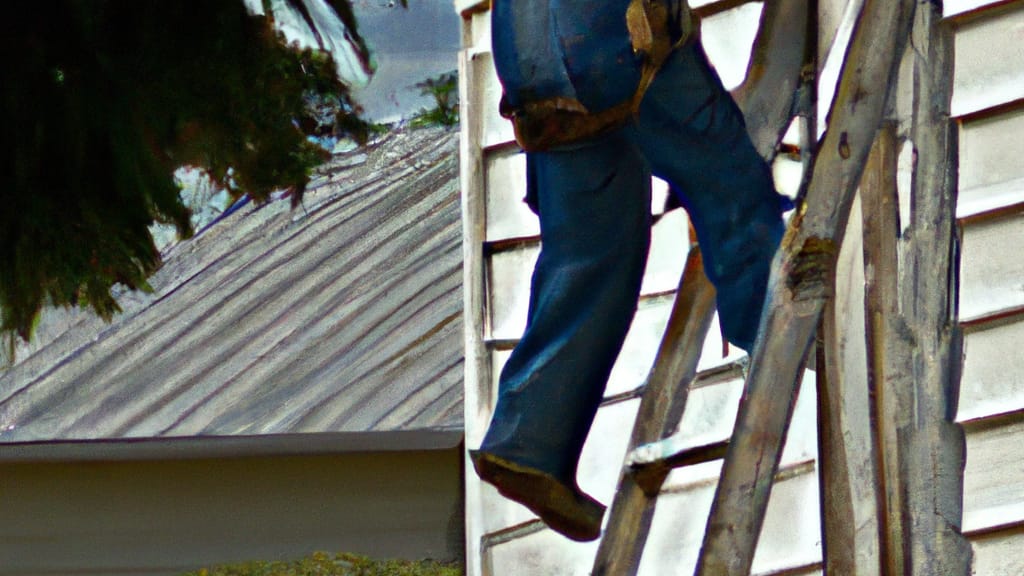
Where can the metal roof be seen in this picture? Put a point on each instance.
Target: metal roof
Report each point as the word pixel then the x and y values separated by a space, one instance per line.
pixel 344 315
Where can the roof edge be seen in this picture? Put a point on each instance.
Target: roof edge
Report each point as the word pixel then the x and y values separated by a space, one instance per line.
pixel 203 447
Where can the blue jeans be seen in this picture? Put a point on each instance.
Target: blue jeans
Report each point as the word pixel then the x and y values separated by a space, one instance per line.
pixel 593 200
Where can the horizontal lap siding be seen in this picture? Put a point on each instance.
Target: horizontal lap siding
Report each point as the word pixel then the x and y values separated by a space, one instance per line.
pixel 989 93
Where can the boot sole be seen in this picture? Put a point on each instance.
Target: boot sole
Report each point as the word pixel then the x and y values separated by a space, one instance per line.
pixel 566 511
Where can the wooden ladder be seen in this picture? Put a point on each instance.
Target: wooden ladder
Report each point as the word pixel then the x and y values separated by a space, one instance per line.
pixel 799 289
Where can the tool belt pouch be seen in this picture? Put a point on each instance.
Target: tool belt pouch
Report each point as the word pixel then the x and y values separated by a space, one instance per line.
pixel 656 29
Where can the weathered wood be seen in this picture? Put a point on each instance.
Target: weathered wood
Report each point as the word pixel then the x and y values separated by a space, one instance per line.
pixel 852 500
pixel 931 444
pixel 800 284
pixel 928 276
pixel 807 95
pixel 881 234
pixel 779 54
pixel 650 469
pixel 477 399
pixel 772 81
pixel 660 409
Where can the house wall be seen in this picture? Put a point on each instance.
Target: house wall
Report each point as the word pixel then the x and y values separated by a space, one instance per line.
pixel 501 244
pixel 988 106
pixel 163 517
pixel 989 103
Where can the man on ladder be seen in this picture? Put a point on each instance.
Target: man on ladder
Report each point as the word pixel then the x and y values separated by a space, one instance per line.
pixel 603 94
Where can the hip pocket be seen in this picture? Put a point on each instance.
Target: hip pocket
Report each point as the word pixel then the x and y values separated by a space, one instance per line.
pixel 596 51
pixel 527 53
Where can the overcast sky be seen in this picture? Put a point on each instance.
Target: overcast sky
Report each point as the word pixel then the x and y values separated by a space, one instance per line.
pixel 408 46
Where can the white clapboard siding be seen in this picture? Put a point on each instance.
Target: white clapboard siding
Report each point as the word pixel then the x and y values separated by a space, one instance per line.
pixel 989 60
pixel 955 7
pixel 988 97
pixel 789 540
pixel 992 272
pixel 994 478
pixel 991 173
pixel 993 376
pixel 999 553
pixel 508 290
pixel 508 216
pixel 728 37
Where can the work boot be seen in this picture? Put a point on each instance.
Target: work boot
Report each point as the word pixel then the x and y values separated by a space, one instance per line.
pixel 565 509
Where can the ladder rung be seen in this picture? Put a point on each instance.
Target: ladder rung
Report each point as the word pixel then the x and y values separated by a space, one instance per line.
pixel 666 453
pixel 651 463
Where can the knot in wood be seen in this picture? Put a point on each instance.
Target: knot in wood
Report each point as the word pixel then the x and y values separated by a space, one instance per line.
pixel 844 146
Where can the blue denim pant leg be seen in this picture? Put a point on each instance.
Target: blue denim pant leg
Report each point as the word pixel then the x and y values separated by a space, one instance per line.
pixel 694 136
pixel 594 207
pixel 593 200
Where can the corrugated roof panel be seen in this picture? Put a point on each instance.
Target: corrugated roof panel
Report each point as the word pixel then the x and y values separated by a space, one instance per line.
pixel 342 315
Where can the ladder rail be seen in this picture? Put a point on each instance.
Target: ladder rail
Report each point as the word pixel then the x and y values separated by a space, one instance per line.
pixel 776 64
pixel 800 285
pixel 632 509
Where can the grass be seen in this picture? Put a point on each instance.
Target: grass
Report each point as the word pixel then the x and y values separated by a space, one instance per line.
pixel 323 564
